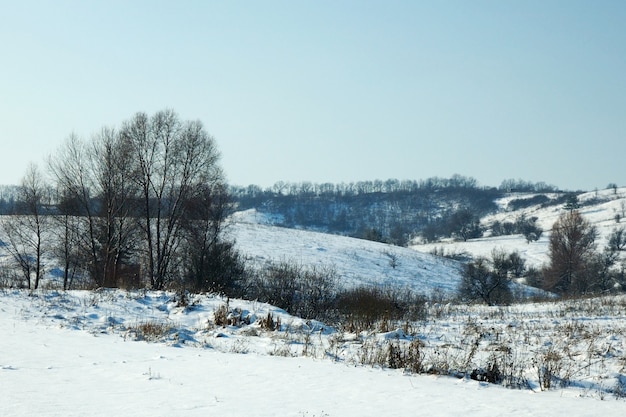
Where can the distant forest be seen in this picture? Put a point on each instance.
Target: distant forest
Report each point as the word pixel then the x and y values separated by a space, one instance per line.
pixel 389 211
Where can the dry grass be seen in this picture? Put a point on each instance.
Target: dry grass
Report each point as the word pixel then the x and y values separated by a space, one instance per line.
pixel 151 331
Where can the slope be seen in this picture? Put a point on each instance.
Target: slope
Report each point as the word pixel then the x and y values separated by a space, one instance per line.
pixel 601 208
pixel 356 261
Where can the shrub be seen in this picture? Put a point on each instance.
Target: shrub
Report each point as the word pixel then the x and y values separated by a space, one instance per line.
pixel 408 356
pixel 489 374
pixel 217 268
pixel 481 281
pixel 224 316
pixel 305 292
pixel 361 308
pixel 151 330
pixel 550 369
pixel 521 203
pixel 269 323
pixel 502 228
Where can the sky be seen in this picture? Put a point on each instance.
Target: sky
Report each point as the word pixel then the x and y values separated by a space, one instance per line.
pixel 328 91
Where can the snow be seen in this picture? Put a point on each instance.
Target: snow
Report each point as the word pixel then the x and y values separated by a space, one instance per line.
pixel 72 354
pixel 356 261
pixel 81 353
pixel 598 207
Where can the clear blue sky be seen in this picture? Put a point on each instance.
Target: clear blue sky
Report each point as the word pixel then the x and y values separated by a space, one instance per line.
pixel 331 91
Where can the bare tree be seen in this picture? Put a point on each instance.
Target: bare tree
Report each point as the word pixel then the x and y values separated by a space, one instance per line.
pixel 74 179
pixel 26 230
pixel 617 239
pixel 572 252
pixel 65 242
pixel 465 224
pixel 211 263
pixel 117 192
pixel 528 227
pixel 171 158
pixel 132 192
pixel 95 182
pixel 486 280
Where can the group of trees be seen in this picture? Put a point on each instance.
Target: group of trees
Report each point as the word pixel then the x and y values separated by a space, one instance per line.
pixel 395 211
pixel 576 266
pixel 255 195
pixel 390 211
pixel 144 204
pixel 512 185
pixel 489 280
pixel 523 225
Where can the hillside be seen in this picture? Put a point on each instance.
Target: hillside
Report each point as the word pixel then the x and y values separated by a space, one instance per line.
pixel 113 352
pixel 359 261
pixel 388 211
pixel 356 261
pixel 598 207
pixel 364 262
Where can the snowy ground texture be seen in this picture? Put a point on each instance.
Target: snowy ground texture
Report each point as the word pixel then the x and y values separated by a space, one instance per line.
pixel 106 353
pixel 144 354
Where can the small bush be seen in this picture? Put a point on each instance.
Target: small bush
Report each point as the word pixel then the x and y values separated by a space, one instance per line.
pixel 224 316
pixel 269 323
pixel 550 369
pixel 151 331
pixel 302 291
pixel 490 374
pixel 407 356
pixel 9 279
pixel 363 307
pixel 220 316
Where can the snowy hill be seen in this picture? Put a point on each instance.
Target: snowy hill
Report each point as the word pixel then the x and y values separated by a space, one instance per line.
pixel 356 261
pixel 362 262
pixel 144 353
pixel 600 208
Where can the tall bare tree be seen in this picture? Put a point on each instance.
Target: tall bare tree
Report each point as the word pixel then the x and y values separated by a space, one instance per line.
pixel 115 200
pixel 27 229
pixel 74 177
pixel 95 182
pixel 171 158
pixel 65 242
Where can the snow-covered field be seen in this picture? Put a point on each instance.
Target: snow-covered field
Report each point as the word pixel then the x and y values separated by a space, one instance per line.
pixel 91 354
pixel 111 352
